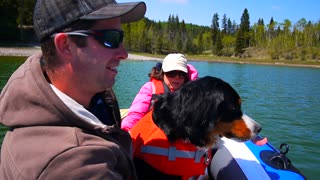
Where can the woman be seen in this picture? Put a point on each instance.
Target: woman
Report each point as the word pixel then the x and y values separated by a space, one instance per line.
pixel 168 77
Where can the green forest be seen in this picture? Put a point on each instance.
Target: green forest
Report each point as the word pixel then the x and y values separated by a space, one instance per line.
pixel 265 39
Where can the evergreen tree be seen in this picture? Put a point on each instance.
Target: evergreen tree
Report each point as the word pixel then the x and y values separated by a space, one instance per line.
pixel 235 28
pixel 218 45
pixel 183 33
pixel 245 27
pixel 177 35
pixel 240 43
pixel 224 24
pixel 229 27
pixel 243 34
pixel 214 30
pixel 200 43
pixel 215 27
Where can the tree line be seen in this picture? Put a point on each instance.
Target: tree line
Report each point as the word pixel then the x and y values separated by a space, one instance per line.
pixel 276 40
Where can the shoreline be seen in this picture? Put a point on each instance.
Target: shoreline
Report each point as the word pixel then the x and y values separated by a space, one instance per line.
pixel 27 51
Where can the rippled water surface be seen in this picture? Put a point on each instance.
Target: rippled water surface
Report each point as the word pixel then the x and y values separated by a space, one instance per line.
pixel 284 100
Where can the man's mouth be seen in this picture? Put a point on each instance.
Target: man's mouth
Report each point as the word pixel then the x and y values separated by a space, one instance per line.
pixel 114 69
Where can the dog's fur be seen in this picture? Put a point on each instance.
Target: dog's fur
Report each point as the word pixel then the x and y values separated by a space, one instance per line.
pixel 202 111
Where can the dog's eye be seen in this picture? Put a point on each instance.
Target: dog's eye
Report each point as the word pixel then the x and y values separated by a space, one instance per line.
pixel 236 110
pixel 231 114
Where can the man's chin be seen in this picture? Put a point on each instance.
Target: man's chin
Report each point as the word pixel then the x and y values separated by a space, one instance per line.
pixel 110 84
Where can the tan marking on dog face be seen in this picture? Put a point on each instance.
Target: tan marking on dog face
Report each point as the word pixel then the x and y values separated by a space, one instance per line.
pixel 236 129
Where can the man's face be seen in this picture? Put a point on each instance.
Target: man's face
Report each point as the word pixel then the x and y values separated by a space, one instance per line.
pixel 95 66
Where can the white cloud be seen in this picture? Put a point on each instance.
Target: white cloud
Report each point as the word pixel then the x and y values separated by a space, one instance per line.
pixel 276 8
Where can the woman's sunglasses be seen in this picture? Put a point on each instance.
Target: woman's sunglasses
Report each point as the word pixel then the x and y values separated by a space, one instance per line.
pixel 172 74
pixel 108 38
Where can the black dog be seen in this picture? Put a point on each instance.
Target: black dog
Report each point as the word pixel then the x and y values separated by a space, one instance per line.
pixel 202 111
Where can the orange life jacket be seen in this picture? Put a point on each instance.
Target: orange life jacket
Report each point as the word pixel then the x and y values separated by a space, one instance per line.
pixel 157 89
pixel 179 158
pixel 157 86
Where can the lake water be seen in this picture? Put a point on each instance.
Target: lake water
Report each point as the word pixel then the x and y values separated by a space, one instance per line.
pixel 284 100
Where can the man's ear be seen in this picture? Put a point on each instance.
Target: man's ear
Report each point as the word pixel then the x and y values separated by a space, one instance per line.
pixel 62 43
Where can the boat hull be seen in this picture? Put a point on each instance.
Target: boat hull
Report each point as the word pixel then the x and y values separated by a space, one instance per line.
pixel 235 160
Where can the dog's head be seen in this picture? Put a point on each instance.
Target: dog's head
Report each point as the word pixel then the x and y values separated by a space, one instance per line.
pixel 202 111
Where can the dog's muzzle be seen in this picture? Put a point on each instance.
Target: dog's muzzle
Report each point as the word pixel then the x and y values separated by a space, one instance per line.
pixel 254 127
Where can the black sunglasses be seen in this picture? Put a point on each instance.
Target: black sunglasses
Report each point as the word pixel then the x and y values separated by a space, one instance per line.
pixel 172 74
pixel 108 38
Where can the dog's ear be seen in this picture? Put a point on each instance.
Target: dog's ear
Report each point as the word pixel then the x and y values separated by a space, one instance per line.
pixel 164 118
pixel 184 113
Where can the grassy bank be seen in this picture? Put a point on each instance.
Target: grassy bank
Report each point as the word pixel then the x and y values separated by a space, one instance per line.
pixel 26 51
pixel 211 58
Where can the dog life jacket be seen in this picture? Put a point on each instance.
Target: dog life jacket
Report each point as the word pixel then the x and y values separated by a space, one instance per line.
pixel 179 158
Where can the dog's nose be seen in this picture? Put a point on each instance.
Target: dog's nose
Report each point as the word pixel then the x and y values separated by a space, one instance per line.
pixel 259 128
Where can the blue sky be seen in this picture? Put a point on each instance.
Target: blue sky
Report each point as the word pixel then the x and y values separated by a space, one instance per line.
pixel 200 12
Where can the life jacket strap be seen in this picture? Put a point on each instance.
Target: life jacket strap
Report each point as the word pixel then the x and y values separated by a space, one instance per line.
pixel 173 153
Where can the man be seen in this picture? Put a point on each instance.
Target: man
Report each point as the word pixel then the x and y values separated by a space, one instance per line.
pixel 62 115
